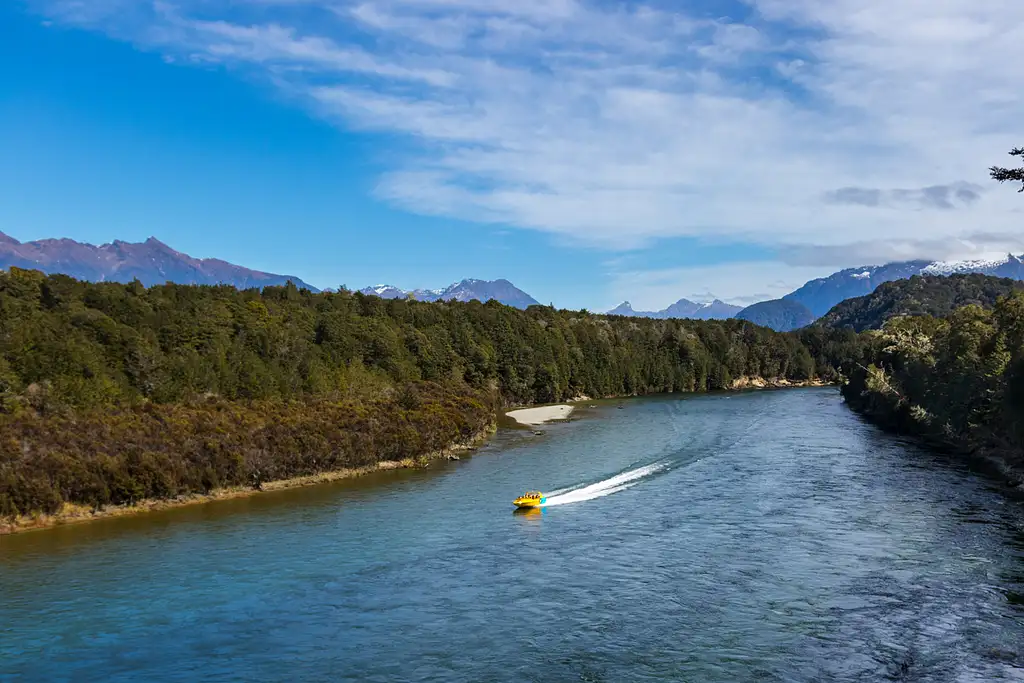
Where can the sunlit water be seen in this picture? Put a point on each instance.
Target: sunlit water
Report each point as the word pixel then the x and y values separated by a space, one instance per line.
pixel 751 537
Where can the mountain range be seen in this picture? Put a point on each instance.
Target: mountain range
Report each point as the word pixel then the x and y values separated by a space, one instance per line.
pixel 684 308
pixel 502 291
pixel 820 295
pixel 817 297
pixel 151 262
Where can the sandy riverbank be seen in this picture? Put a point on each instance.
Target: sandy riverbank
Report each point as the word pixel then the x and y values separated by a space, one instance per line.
pixel 537 416
pixel 76 514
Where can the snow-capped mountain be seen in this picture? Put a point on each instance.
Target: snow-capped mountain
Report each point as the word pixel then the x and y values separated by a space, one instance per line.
pixel 384 291
pixel 502 291
pixel 1011 267
pixel 684 308
pixel 822 294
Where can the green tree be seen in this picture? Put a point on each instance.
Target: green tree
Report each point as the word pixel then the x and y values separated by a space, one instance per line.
pixel 1011 174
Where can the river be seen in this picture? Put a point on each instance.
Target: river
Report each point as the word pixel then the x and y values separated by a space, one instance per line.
pixel 764 536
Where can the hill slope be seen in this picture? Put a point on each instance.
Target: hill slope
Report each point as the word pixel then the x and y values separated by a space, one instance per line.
pixel 932 295
pixel 151 262
pixel 781 315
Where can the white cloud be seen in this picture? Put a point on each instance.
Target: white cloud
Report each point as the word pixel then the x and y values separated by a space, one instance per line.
pixel 805 123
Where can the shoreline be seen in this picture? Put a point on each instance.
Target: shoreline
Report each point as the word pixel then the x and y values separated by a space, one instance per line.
pixel 80 514
pixel 532 417
pixel 999 464
pixel 762 383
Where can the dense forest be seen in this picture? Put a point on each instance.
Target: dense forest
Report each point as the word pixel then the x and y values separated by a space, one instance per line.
pixel 957 381
pixel 114 393
pixel 110 393
pixel 933 295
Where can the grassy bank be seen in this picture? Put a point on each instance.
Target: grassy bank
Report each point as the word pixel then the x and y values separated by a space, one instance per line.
pixel 123 457
pixel 75 513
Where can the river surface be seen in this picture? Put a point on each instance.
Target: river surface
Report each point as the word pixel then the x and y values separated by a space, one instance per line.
pixel 765 536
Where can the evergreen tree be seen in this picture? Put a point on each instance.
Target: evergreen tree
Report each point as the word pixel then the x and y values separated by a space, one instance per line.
pixel 1011 174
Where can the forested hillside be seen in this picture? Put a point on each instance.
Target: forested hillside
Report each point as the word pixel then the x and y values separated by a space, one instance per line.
pixel 933 295
pixel 83 344
pixel 957 381
pixel 114 392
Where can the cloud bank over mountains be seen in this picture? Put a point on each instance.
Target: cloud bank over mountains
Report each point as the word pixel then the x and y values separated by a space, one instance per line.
pixel 821 129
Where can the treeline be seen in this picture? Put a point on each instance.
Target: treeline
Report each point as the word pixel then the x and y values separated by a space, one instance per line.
pixel 64 342
pixel 110 393
pixel 957 381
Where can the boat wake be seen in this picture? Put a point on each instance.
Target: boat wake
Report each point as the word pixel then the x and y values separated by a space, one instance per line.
pixel 620 482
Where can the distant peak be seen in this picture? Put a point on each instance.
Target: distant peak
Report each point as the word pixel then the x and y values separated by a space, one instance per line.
pixel 624 306
pixel 7 239
pixel 382 289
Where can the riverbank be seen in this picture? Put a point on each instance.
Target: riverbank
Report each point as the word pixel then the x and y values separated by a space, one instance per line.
pixel 75 512
pixel 541 414
pixel 1001 464
pixel 72 513
pixel 995 461
pixel 955 384
pixel 778 383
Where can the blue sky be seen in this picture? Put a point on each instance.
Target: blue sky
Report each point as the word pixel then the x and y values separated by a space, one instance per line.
pixel 588 151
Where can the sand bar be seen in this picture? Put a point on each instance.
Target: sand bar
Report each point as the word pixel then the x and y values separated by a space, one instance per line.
pixel 536 416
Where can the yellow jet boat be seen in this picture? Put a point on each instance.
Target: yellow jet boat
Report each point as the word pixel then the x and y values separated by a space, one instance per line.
pixel 530 499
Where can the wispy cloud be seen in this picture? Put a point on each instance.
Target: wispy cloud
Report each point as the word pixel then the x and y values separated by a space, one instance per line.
pixel 794 122
pixel 950 196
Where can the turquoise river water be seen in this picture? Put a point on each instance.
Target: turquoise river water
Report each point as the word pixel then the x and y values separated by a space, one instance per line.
pixel 767 536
